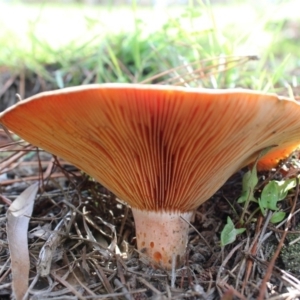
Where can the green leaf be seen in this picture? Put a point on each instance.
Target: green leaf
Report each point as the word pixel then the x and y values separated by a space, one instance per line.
pixel 250 180
pixel 273 192
pixel 262 208
pixel 284 186
pixel 277 217
pixel 229 233
pixel 270 196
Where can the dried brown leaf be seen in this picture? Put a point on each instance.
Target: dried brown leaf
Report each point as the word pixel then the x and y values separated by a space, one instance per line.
pixel 18 216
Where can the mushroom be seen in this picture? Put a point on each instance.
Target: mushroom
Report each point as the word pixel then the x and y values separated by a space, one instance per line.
pixel 162 149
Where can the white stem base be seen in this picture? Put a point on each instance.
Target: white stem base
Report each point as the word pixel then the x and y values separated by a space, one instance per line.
pixel 162 235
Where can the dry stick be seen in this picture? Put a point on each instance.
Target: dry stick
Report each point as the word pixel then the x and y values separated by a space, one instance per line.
pixel 173 277
pixel 93 224
pixel 233 291
pixel 144 275
pixel 35 178
pixel 233 58
pixel 7 262
pixel 149 285
pixel 68 285
pixel 105 253
pixel 32 284
pixel 281 231
pixel 40 173
pixel 120 270
pixel 169 295
pixel 83 285
pixel 218 280
pixel 280 245
pixel 123 224
pixel 285 296
pixel 63 170
pixel 280 224
pixel 48 171
pixel 5 286
pixel 7 148
pixel 210 283
pixel 6 272
pixel 294 241
pixel 236 277
pixel 43 163
pixel 7 85
pixel 263 235
pixel 259 234
pixel 114 295
pixel 9 135
pixel 5 200
pixel 13 158
pixel 22 84
pixel 47 251
pixel 182 77
pixel 105 282
pixel 253 250
pixel 121 286
pixel 293 281
pixel 201 236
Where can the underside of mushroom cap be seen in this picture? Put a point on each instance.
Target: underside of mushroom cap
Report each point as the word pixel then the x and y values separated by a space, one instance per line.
pixel 156 147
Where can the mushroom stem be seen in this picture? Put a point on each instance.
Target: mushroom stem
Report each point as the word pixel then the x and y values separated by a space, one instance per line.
pixel 162 235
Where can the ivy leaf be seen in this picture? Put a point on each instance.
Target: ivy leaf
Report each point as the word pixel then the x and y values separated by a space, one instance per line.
pixel 229 233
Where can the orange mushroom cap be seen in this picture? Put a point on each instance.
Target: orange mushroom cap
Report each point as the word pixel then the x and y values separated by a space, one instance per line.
pixel 272 159
pixel 162 149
